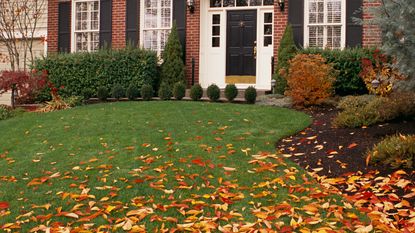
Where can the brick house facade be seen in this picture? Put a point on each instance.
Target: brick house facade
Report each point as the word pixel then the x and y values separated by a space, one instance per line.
pixel 210 33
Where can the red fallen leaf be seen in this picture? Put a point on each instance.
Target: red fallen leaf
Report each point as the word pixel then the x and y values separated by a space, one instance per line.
pixel 332 152
pixel 351 146
pixel 4 205
pixel 137 181
pixel 198 162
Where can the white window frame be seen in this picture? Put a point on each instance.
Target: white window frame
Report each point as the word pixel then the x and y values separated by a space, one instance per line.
pixel 142 26
pixel 325 24
pixel 73 24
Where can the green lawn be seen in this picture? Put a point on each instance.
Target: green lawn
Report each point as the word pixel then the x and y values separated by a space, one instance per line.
pixel 160 165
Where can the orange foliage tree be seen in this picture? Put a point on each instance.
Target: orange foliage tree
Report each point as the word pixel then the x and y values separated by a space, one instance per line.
pixel 310 79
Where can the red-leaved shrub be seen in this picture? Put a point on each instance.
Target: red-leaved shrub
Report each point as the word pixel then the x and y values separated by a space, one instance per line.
pixel 310 80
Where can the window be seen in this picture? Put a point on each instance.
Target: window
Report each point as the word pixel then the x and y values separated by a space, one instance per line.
pixel 86 33
pixel 325 23
pixel 157 23
pixel 268 29
pixel 240 3
pixel 215 30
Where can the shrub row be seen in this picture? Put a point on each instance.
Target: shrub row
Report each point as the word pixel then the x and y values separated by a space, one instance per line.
pixel 82 74
pixel 348 64
pixel 231 92
pixel 366 110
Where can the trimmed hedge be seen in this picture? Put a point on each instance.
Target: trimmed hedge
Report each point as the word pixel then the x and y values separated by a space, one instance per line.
pixel 81 73
pixel 348 63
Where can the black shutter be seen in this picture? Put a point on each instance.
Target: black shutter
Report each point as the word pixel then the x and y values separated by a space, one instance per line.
pixel 296 19
pixel 354 31
pixel 132 22
pixel 64 27
pixel 179 15
pixel 105 24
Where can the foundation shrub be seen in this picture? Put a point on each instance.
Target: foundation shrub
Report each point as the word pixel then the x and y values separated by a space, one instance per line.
pixel 165 92
pixel 213 92
pixel 310 80
pixel 231 92
pixel 147 92
pixel 179 90
pixel 196 92
pixel 81 72
pixel 132 92
pixel 396 151
pixel 118 91
pixel 6 112
pixel 250 95
pixel 102 93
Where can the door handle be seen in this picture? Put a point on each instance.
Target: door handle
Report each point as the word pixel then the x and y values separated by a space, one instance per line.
pixel 255 50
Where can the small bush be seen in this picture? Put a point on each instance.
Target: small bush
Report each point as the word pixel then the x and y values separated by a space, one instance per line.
pixel 196 92
pixel 74 101
pixel 231 92
pixel 118 92
pixel 147 92
pixel 132 92
pixel 88 93
pixel 213 92
pixel 396 151
pixel 102 93
pixel 6 112
pixel 165 92
pixel 367 110
pixel 354 102
pixel 250 95
pixel 310 80
pixel 280 83
pixel 179 90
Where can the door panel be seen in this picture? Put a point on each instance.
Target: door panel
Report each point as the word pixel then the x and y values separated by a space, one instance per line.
pixel 241 39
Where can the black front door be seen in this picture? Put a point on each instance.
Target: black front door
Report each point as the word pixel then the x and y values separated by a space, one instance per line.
pixel 241 43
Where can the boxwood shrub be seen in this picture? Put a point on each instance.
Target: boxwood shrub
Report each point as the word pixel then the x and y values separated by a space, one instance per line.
pixel 348 64
pixel 82 73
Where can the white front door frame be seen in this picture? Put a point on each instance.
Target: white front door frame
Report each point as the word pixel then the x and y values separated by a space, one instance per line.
pixel 213 59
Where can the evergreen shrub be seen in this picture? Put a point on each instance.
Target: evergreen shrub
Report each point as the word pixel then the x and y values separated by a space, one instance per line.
pixel 80 73
pixel 118 91
pixel 102 93
pixel 132 92
pixel 147 92
pixel 196 92
pixel 231 92
pixel 179 90
pixel 250 95
pixel 165 92
pixel 213 92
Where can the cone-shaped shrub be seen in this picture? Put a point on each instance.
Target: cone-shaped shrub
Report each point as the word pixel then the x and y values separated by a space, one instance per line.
pixel 102 93
pixel 165 92
pixel 132 92
pixel 213 92
pixel 147 92
pixel 250 95
pixel 179 90
pixel 196 92
pixel 172 69
pixel 231 92
pixel 118 91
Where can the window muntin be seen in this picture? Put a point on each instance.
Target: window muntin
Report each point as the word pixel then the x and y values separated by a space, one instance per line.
pixel 240 3
pixel 216 30
pixel 86 31
pixel 157 24
pixel 268 26
pixel 325 23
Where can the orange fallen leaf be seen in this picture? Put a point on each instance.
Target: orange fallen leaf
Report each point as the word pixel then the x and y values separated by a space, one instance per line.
pixel 353 145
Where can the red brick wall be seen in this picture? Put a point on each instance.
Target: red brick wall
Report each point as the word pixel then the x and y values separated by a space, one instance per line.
pixel 118 23
pixel 280 23
pixel 371 33
pixel 192 42
pixel 52 38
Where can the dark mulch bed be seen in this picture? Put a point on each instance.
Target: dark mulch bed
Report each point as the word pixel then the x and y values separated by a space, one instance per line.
pixel 335 152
